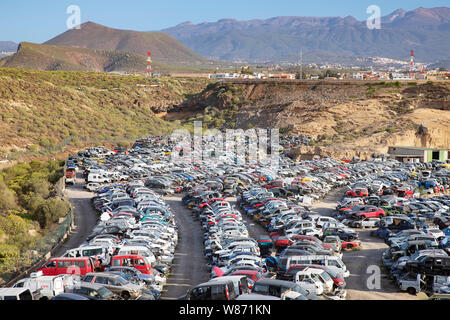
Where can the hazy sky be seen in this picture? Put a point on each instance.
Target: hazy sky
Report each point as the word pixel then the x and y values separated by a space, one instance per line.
pixel 41 20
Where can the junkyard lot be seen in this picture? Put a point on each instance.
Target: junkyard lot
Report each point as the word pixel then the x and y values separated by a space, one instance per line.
pixel 358 261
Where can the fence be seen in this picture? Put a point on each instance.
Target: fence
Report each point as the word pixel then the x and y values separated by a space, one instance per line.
pixel 34 257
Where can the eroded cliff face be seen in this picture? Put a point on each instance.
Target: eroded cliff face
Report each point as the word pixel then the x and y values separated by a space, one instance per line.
pixel 346 118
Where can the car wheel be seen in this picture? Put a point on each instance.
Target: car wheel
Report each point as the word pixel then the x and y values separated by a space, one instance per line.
pixel 349 246
pixel 125 295
pixel 412 291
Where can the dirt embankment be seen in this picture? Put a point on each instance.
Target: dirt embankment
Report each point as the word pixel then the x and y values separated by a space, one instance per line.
pixel 346 118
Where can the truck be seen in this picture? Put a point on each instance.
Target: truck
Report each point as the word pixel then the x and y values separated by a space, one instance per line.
pixel 13 294
pixel 46 286
pixel 414 283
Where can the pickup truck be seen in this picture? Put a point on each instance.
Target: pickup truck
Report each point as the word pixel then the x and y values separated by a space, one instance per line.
pixel 415 283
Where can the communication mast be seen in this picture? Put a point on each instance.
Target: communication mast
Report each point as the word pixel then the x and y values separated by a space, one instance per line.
pixel 412 65
pixel 149 64
pixel 301 65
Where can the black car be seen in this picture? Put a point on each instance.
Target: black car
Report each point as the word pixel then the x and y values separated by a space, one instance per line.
pixel 217 290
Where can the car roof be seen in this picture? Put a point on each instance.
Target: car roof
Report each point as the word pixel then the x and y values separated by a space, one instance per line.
pixel 276 282
pixel 218 282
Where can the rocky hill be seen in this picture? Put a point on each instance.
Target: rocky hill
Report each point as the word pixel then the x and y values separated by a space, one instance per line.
pixel 54 58
pixel 164 47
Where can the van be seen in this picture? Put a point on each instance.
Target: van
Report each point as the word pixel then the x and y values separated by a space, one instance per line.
pixel 278 288
pixel 87 251
pixel 241 283
pixel 139 262
pixel 97 177
pixel 332 262
pixel 138 250
pixel 78 266
pixel 46 286
pixel 213 290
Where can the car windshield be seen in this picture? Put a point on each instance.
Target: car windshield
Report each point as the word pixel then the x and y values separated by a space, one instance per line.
pixel 121 280
pixel 325 276
pixel 105 293
pixel 300 290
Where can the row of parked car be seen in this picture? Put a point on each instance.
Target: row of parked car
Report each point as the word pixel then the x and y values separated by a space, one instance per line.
pixel 415 229
pixel 129 253
pixel 309 264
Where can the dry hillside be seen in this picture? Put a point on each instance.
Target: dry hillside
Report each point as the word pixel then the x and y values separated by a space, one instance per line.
pixel 347 118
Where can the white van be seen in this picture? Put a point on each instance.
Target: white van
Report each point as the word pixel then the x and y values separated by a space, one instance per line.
pixel 97 177
pixel 138 250
pixel 332 262
pixel 47 286
pixel 94 251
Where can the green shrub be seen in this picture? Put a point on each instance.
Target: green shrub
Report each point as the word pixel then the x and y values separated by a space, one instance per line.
pixel 50 211
pixel 7 198
pixel 13 225
pixel 8 256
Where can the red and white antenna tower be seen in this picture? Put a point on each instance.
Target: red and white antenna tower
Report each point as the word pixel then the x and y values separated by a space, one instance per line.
pixel 412 64
pixel 149 64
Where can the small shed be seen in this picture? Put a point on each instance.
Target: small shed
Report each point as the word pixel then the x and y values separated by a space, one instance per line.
pixel 418 154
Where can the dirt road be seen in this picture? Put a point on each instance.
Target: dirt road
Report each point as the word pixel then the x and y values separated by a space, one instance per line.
pixel 359 261
pixel 189 266
pixel 85 216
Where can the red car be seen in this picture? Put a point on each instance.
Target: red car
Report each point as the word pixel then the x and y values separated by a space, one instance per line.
pixel 57 266
pixel 351 244
pixel 371 213
pixel 358 192
pixel 139 262
pixel 275 184
pixel 251 274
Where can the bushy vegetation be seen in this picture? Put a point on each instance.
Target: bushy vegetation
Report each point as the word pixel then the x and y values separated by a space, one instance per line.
pixel 29 207
pixel 52 109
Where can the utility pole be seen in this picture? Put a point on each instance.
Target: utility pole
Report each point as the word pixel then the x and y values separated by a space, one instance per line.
pixel 149 64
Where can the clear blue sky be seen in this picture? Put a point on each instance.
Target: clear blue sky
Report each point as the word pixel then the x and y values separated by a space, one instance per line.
pixel 40 20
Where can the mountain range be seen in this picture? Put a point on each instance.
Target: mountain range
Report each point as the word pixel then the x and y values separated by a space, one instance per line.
pixel 426 31
pixel 8 46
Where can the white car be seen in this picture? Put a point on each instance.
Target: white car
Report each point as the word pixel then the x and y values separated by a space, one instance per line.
pixel 310 282
pixel 435 232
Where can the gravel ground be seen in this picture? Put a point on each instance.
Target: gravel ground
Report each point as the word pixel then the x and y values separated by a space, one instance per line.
pixel 358 261
pixel 189 267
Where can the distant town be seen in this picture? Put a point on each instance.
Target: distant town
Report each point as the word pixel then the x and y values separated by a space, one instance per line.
pixel 376 68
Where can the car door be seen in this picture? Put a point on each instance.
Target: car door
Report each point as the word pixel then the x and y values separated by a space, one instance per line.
pixel 50 268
